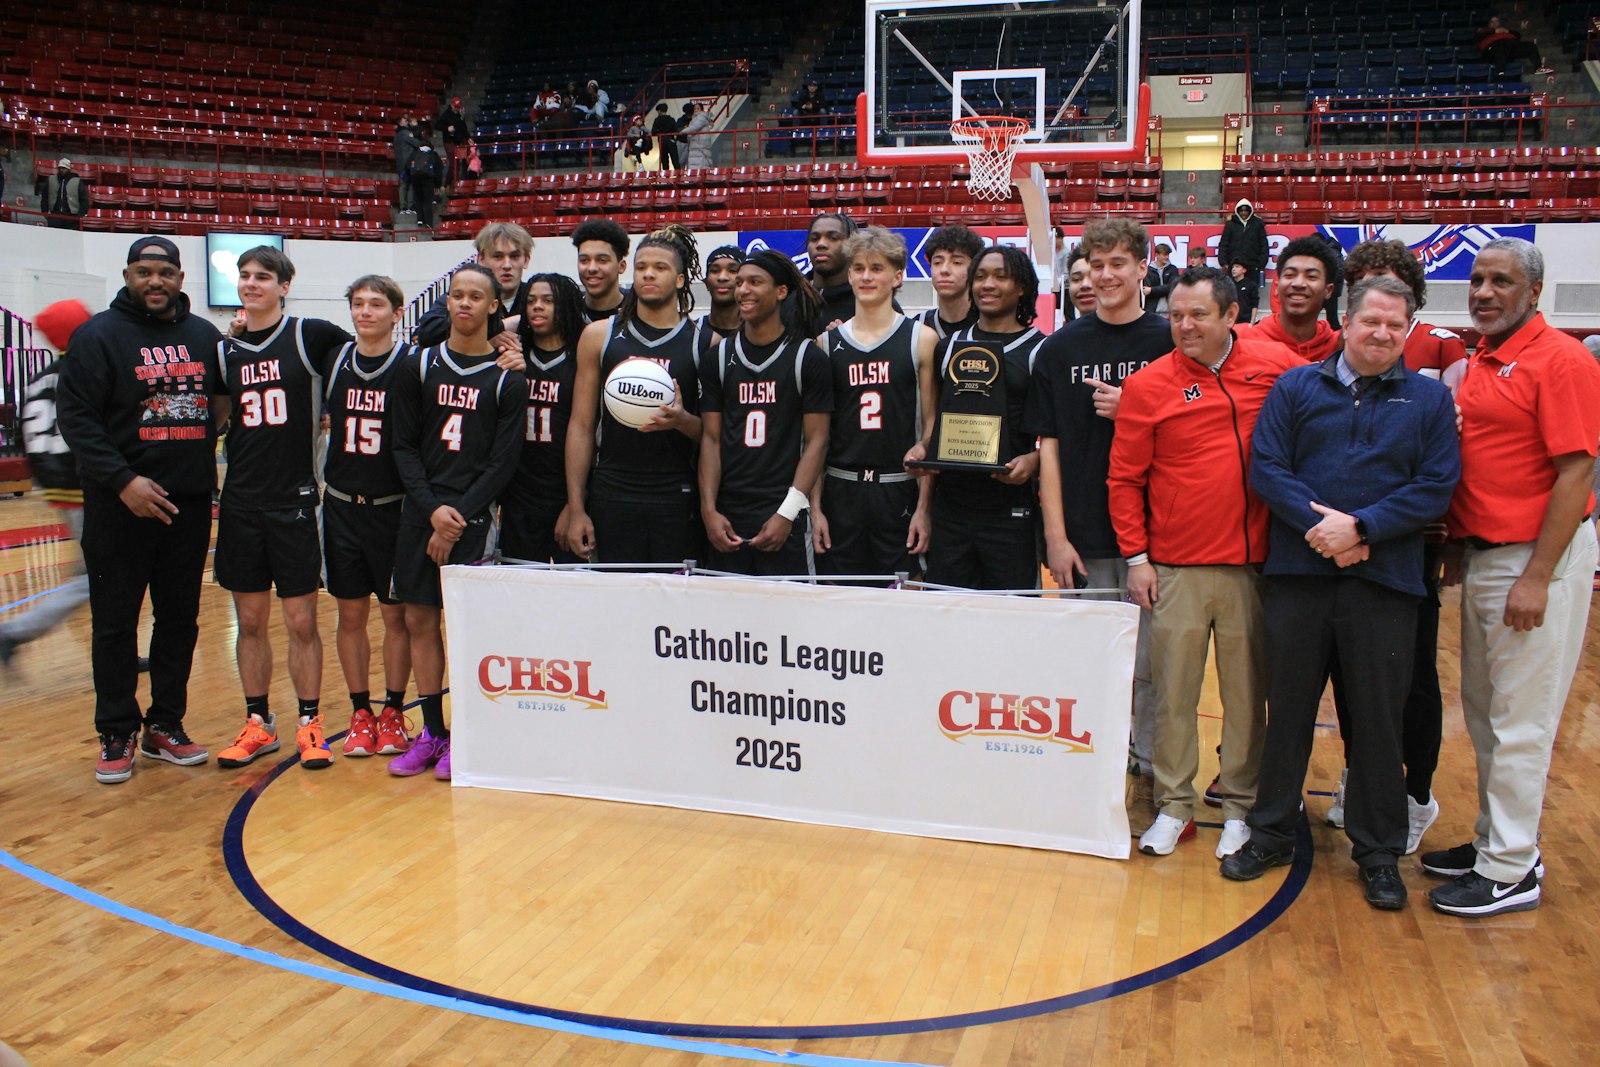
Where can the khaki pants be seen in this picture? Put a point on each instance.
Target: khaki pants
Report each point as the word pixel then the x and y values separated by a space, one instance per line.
pixel 1513 687
pixel 1113 573
pixel 1192 605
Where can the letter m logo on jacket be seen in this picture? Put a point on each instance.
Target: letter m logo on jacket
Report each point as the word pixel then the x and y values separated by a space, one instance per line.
pixel 1191 393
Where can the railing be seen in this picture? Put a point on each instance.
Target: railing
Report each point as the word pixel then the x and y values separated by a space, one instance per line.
pixel 733 75
pixel 21 361
pixel 1419 122
pixel 425 299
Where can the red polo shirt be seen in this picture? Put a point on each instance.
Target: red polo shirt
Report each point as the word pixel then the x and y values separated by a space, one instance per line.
pixel 1434 352
pixel 1535 397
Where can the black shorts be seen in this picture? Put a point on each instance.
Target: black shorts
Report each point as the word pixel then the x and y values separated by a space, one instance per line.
pixel 416 577
pixel 260 550
pixel 528 532
pixel 358 548
pixel 647 529
pixel 794 557
pixel 983 551
pixel 868 523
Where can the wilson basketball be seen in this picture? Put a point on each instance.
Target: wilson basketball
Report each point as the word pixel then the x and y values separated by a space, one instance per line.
pixel 636 389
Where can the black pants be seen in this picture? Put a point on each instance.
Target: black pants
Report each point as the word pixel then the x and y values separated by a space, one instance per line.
pixel 1372 629
pixel 125 556
pixel 1422 722
pixel 794 556
pixel 983 551
pixel 669 152
pixel 646 529
pixel 422 193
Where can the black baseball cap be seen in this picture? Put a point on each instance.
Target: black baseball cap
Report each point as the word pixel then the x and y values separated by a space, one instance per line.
pixel 141 249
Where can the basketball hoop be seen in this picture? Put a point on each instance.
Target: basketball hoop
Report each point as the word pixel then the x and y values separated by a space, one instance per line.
pixel 990 142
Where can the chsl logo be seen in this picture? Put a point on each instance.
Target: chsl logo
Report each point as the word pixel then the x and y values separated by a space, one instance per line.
pixel 553 679
pixel 1033 718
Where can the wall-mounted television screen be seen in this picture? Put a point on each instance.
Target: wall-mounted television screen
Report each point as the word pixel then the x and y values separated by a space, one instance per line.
pixel 222 263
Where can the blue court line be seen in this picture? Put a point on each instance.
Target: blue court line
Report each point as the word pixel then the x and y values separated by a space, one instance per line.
pixel 253 892
pixel 384 989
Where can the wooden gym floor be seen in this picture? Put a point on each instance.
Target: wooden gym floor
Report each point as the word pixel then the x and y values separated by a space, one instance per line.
pixel 272 915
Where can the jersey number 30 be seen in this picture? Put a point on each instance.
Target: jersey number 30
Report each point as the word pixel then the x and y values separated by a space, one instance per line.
pixel 270 406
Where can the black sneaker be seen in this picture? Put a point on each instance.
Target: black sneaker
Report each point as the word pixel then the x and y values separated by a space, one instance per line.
pixel 1252 861
pixel 1385 890
pixel 1474 896
pixel 1455 862
pixel 1213 794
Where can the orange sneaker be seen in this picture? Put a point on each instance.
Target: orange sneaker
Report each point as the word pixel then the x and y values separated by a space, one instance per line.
pixel 392 729
pixel 362 737
pixel 314 751
pixel 256 739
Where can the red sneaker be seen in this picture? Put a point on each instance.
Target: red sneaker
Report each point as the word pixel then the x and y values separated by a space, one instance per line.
pixel 171 744
pixel 392 731
pixel 362 737
pixel 116 758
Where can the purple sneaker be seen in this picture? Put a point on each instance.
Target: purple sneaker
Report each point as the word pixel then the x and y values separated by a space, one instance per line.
pixel 425 751
pixel 441 770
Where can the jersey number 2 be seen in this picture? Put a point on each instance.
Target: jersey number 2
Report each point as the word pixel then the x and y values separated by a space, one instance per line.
pixel 872 410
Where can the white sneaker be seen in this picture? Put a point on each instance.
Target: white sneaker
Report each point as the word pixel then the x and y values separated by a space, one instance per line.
pixel 1164 835
pixel 1234 834
pixel 1420 817
pixel 1336 809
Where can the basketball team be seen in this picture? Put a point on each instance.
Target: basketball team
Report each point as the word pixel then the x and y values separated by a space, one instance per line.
pixel 1294 495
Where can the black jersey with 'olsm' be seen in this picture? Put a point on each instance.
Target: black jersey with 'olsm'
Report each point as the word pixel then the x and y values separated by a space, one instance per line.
pixel 275 378
pixel 541 476
pixel 764 393
pixel 360 459
pixel 661 463
pixel 978 491
pixel 942 327
pixel 457 426
pixel 876 397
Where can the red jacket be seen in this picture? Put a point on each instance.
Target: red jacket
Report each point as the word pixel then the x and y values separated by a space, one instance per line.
pixel 1179 481
pixel 1324 342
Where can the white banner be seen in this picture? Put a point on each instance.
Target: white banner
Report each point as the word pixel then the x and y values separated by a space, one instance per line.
pixel 981 718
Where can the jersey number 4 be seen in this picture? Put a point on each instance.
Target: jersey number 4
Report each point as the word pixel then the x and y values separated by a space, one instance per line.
pixel 364 436
pixel 450 432
pixel 269 406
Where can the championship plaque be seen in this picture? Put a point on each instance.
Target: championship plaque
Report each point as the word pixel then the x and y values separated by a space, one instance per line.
pixel 972 430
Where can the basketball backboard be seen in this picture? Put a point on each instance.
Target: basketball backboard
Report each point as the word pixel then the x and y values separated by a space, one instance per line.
pixel 1070 68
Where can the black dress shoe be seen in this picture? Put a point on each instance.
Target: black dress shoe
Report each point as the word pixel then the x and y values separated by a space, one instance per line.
pixel 1252 861
pixel 1385 890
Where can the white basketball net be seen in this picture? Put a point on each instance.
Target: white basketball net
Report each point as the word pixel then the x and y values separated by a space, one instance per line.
pixel 991 146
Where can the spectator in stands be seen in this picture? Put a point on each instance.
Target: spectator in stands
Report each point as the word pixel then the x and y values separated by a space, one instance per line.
pixel 635 142
pixel 1306 269
pixel 1058 270
pixel 563 118
pixel 64 195
pixel 1501 46
pixel 1244 240
pixel 426 171
pixel 696 139
pixel 547 103
pixel 1331 308
pixel 1197 256
pixel 808 99
pixel 1248 296
pixel 406 143
pixel 453 124
pixel 597 101
pixel 666 134
pixel 1160 278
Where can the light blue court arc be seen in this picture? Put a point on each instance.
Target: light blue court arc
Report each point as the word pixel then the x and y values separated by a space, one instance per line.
pixel 385 989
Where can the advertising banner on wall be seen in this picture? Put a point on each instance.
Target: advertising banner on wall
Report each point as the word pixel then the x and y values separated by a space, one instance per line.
pixel 980 718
